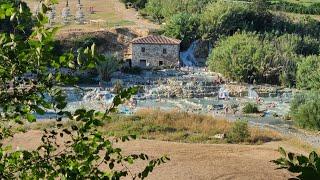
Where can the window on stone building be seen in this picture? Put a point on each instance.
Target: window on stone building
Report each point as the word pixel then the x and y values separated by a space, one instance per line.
pixel 160 63
pixel 143 49
pixel 164 51
pixel 143 63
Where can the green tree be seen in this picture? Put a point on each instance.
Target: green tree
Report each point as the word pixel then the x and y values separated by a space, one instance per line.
pixel 226 18
pixel 305 110
pixel 239 57
pixel 154 10
pixel 31 83
pixel 308 73
pixel 162 10
pixel 183 26
pixel 246 57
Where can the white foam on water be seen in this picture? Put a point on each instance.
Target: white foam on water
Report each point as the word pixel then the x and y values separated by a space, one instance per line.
pixel 187 57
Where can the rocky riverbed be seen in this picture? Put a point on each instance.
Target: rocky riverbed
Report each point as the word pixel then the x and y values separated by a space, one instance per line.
pixel 197 91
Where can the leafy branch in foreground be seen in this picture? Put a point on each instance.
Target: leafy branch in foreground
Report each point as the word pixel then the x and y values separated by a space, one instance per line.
pixel 306 167
pixel 31 84
pixel 80 151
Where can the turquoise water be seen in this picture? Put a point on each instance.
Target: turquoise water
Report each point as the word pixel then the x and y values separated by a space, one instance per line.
pixel 92 98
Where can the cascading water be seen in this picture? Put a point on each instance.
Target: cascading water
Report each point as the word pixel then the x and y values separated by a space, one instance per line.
pixel 97 95
pixel 187 57
pixel 252 94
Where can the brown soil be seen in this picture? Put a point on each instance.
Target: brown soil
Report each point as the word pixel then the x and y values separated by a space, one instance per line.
pixel 112 14
pixel 195 161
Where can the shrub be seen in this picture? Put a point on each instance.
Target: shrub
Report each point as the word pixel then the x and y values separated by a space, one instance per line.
pixel 282 5
pixel 305 167
pixel 250 108
pixel 246 57
pixel 226 18
pixel 239 132
pixel 107 65
pixel 132 70
pixel 138 4
pixel 236 56
pixel 165 9
pixel 308 73
pixel 305 110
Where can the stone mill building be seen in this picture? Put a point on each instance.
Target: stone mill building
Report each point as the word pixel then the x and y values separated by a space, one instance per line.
pixel 154 51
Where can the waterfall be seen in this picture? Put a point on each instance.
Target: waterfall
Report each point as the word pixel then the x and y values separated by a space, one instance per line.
pixel 252 94
pixel 187 57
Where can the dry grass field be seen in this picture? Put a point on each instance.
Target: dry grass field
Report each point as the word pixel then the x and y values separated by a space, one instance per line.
pixel 194 161
pixel 166 133
pixel 110 13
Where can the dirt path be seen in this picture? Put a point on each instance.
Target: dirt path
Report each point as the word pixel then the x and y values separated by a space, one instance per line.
pixel 201 161
pixel 195 161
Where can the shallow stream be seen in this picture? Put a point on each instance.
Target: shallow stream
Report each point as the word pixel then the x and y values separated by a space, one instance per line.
pixel 275 107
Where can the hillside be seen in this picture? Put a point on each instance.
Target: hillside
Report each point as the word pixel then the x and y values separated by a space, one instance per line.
pixel 110 13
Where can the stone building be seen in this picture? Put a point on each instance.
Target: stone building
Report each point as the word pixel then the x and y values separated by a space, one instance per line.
pixel 154 51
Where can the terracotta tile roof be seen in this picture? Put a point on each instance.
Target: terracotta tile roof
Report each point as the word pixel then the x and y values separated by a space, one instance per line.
pixel 154 39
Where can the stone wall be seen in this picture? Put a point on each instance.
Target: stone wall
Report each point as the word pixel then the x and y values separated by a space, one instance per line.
pixel 154 55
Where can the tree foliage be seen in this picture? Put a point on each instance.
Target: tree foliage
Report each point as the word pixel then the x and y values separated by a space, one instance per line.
pixel 154 10
pixel 247 57
pixel 31 84
pixel 106 65
pixel 264 58
pixel 305 110
pixel 308 73
pixel 226 18
pixel 162 10
pixel 239 132
pixel 183 26
pixel 281 5
pixel 20 20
